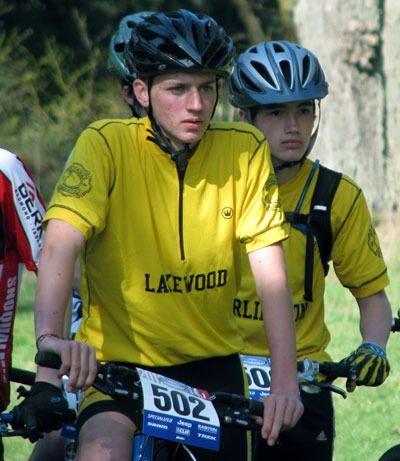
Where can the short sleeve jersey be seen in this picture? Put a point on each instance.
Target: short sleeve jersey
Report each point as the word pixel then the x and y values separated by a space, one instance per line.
pixel 356 256
pixel 21 214
pixel 160 264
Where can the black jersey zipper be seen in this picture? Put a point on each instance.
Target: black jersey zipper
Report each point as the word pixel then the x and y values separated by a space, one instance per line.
pixel 181 161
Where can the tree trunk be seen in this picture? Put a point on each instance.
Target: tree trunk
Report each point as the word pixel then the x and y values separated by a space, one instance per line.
pixel 358 47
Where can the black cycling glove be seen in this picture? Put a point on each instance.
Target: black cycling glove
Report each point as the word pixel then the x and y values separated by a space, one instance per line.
pixel 43 410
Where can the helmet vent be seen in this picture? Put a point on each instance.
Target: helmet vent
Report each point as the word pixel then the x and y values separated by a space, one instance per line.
pixel 286 72
pixel 248 83
pixel 119 47
pixel 306 70
pixel 278 48
pixel 260 68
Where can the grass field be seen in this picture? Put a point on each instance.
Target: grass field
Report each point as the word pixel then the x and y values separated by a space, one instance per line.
pixel 367 422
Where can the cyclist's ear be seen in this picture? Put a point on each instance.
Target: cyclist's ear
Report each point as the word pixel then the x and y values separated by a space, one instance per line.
pixel 141 90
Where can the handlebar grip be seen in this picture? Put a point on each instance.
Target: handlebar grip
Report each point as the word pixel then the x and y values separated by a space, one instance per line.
pixel 395 324
pixel 48 360
pixel 22 376
pixel 335 370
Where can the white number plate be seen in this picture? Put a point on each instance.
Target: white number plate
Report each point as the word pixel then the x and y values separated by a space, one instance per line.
pixel 177 412
pixel 258 371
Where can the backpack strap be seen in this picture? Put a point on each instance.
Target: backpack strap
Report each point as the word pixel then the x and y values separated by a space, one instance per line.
pixel 320 211
pixel 319 224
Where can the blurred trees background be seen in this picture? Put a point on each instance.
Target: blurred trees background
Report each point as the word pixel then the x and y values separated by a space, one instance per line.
pixel 54 79
pixel 53 74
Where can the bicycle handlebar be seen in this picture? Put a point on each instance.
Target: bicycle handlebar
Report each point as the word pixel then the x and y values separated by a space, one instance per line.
pixel 309 369
pixel 123 382
pixel 22 376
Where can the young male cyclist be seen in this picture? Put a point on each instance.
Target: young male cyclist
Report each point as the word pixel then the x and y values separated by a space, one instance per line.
pixel 155 208
pixel 278 87
pixel 52 446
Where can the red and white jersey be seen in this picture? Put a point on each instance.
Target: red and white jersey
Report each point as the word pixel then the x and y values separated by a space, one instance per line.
pixel 21 237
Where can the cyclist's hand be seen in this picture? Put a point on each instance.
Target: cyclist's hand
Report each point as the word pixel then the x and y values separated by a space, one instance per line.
pixel 44 409
pixel 368 366
pixel 281 412
pixel 78 362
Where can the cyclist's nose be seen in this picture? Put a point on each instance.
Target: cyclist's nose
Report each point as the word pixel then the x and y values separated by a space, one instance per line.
pixel 292 123
pixel 195 101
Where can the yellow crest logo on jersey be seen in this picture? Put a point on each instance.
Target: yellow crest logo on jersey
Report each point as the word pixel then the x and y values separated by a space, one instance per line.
pixel 75 182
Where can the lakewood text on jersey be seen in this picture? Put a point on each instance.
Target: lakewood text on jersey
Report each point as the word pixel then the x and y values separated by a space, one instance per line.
pixel 170 283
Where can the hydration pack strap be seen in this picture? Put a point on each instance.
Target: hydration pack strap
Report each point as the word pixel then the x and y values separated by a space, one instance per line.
pixel 317 222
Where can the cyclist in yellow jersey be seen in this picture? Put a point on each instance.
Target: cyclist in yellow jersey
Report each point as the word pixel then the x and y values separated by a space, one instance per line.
pixel 278 87
pixel 52 445
pixel 155 208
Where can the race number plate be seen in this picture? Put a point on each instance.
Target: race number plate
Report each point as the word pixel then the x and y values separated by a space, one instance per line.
pixel 258 371
pixel 177 412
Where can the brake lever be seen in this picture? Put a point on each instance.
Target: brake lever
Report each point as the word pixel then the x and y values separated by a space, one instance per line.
pixel 311 386
pixel 118 382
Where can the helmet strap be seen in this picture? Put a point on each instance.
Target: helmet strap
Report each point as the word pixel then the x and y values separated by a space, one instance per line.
pixel 180 157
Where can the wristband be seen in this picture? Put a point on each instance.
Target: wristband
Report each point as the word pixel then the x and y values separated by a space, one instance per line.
pixel 377 349
pixel 40 338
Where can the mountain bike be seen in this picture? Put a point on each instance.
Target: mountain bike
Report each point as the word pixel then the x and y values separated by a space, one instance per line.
pixel 123 382
pixel 182 415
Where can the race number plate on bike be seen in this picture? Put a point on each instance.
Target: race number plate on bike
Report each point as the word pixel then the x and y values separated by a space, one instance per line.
pixel 258 371
pixel 177 412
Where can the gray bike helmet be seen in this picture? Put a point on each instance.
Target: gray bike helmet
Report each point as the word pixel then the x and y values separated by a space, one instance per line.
pixel 116 58
pixel 276 72
pixel 180 40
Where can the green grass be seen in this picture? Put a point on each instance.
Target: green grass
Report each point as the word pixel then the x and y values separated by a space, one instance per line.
pixel 367 422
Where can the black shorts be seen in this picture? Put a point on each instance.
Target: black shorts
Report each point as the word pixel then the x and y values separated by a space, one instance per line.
pixel 215 374
pixel 1 450
pixel 310 440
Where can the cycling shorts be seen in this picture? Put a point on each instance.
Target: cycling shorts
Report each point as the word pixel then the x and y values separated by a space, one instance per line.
pixel 214 374
pixel 310 440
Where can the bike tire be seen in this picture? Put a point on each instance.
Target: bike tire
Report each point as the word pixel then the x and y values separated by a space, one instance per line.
pixel 393 454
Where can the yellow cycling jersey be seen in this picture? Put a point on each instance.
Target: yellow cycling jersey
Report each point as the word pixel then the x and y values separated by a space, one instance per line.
pixel 161 260
pixel 357 261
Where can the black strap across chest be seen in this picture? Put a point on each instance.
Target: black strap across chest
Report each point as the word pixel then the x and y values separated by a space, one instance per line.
pixel 317 223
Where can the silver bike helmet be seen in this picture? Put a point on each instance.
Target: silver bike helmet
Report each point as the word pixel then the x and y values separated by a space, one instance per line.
pixel 276 72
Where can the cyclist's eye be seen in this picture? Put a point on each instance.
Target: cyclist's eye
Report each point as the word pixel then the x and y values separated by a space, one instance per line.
pixel 275 113
pixel 178 89
pixel 208 88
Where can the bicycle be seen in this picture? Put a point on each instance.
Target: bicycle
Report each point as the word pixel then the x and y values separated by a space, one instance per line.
pixel 393 453
pixel 129 383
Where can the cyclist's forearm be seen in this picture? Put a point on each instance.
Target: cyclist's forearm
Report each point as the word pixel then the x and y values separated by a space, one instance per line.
pixel 274 293
pixel 279 328
pixel 375 318
pixel 61 248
